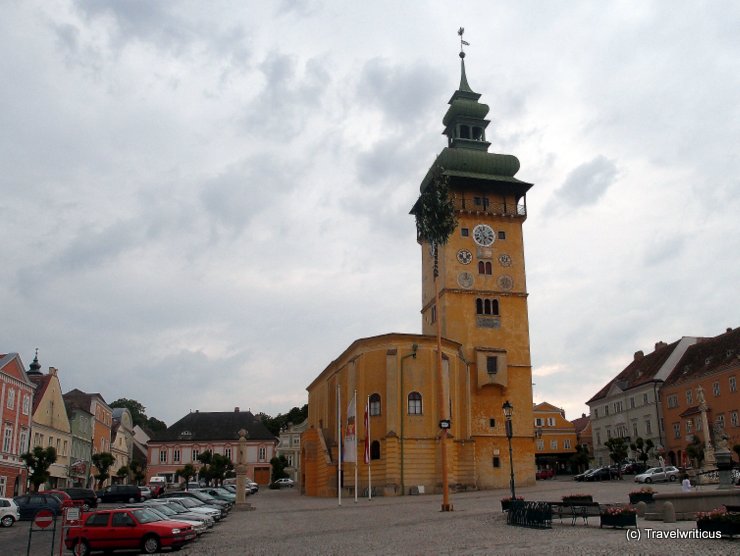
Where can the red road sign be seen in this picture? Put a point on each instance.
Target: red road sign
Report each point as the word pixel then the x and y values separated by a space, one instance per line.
pixel 43 518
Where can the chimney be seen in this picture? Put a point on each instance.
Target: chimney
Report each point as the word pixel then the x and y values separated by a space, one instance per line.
pixel 639 355
pixel 659 345
pixel 236 409
pixel 583 415
pixel 52 371
pixel 729 330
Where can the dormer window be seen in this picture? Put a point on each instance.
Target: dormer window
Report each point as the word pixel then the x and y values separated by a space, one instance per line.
pixel 186 434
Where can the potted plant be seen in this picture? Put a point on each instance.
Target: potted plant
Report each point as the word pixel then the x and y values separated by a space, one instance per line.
pixel 619 516
pixel 719 519
pixel 645 494
pixel 577 498
pixel 506 502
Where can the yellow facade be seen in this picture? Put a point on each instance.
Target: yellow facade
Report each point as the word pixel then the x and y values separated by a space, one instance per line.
pixel 486 358
pixel 555 437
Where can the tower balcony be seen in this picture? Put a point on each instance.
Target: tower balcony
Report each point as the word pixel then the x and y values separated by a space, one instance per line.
pixel 475 204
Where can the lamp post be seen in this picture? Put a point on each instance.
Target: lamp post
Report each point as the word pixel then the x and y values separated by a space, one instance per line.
pixel 508 410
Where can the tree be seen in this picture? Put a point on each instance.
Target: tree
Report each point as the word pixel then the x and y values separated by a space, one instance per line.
pixel 102 462
pixel 138 414
pixel 186 473
pixel 695 451
pixel 581 458
pixel 220 466
pixel 276 424
pixel 617 452
pixel 123 472
pixel 642 448
pixel 38 461
pixel 278 464
pixel 136 469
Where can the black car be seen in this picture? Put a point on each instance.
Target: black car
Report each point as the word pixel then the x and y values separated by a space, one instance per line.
pixel 88 497
pixel 120 493
pixel 582 476
pixel 29 504
pixel 602 474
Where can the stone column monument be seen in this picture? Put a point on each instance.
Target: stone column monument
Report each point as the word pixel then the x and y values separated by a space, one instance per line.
pixel 241 473
pixel 709 461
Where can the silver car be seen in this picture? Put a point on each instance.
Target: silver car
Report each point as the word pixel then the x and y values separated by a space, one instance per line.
pixel 9 512
pixel 655 474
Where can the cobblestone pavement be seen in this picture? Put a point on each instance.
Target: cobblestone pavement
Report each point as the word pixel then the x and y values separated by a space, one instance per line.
pixel 286 523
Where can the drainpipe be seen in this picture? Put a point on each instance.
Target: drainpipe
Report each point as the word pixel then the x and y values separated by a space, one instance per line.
pixel 414 347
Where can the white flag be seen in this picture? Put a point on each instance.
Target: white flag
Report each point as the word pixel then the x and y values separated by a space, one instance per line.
pixel 350 435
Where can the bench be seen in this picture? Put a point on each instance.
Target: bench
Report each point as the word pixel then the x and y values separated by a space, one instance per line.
pixel 574 510
pixel 537 515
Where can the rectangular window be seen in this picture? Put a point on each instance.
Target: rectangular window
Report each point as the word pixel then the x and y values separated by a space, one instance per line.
pixel 698 424
pixel 496 461
pixel 64 448
pixel 634 430
pixel 553 444
pixel 715 389
pixel 689 426
pixel 644 399
pixel 598 439
pixel 26 404
pixel 673 400
pixel 648 427
pixel 734 419
pixel 551 421
pixel 540 445
pixel 502 235
pixel 51 442
pixel 176 456
pixel 464 232
pixel 596 413
pixel 492 423
pixel 492 364
pixel 196 453
pixel 538 422
pixel 733 384
pixel 606 410
pixel 7 437
pixel 676 430
pixel 11 398
pixel 608 433
pixel 434 314
pixel 689 397
pixel 566 443
pixel 163 456
pixel 721 420
pixel 227 453
pixel 262 453
pixel 632 402
pixel 23 441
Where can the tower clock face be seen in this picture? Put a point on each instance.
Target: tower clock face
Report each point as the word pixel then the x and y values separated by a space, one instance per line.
pixel 504 259
pixel 464 256
pixel 483 235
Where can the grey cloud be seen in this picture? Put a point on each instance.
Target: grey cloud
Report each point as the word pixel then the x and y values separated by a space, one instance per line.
pixel 403 93
pixel 586 184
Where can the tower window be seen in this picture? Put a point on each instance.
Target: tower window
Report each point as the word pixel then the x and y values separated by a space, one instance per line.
pixel 492 364
pixel 434 313
pixel 492 423
pixel 464 232
pixel 481 202
pixel 485 268
pixel 374 404
pixel 414 403
pixel 478 134
pixel 486 306
pixel 502 235
pixel 375 450
pixel 465 132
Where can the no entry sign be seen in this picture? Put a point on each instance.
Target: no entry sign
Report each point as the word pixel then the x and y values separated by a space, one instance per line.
pixel 43 518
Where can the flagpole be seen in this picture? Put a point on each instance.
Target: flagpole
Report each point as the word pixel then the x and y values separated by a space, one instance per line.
pixel 367 451
pixel 355 403
pixel 339 446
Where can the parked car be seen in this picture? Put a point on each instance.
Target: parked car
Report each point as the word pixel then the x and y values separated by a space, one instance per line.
pixel 582 476
pixel 545 474
pixel 284 482
pixel 655 474
pixel 167 514
pixel 146 492
pixel 120 493
pixel 195 505
pixel 29 504
pixel 87 496
pixel 633 468
pixel 181 510
pixel 142 528
pixel 201 497
pixel 219 493
pixel 9 512
pixel 602 474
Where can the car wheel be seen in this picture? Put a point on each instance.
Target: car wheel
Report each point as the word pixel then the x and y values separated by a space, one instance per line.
pixel 673 478
pixel 7 521
pixel 131 500
pixel 82 548
pixel 648 480
pixel 150 545
pixel 85 507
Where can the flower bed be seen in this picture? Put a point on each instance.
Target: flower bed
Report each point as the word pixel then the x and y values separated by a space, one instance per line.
pixel 727 523
pixel 619 516
pixel 645 494
pixel 577 498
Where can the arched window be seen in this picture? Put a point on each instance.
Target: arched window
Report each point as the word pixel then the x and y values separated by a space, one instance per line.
pixel 481 267
pixel 479 306
pixel 375 450
pixel 465 132
pixel 494 306
pixel 489 268
pixel 374 404
pixel 414 403
pixel 485 268
pixel 486 306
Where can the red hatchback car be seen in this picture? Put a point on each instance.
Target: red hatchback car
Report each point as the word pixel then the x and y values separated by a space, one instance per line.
pixel 127 528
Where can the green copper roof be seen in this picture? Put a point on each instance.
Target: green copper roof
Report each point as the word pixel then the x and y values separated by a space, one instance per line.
pixel 465 107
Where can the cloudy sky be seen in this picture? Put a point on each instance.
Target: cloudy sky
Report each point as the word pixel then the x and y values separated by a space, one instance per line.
pixel 204 203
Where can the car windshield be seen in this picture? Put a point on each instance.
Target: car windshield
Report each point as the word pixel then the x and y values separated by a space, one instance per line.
pixel 203 496
pixel 176 506
pixel 162 509
pixel 188 502
pixel 146 515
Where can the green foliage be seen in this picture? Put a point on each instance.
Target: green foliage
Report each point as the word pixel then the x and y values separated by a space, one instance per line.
pixel 138 415
pixel 136 471
pixel 581 458
pixel 38 461
pixel 186 473
pixel 214 467
pixel 278 463
pixel 643 448
pixel 122 472
pixel 617 451
pixel 276 424
pixel 435 212
pixel 102 462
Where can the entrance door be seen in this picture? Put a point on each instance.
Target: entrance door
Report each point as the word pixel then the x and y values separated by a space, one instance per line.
pixel 262 475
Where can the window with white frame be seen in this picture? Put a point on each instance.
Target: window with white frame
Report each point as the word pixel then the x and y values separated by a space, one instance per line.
pixel 414 403
pixel 176 455
pixel 196 453
pixel 23 441
pixel 262 454
pixel 634 430
pixel 7 437
pixel 538 421
pixel 734 419
pixel 11 398
pixel 689 396
pixel 227 453
pixel 676 430
pixel 644 399
pixel 540 445
pixel 374 404
pixel 551 421
pixel 721 420
pixel 26 404
pixel 553 444
pixel 689 425
pixel 648 427
pixel 733 384
pixel 715 389
pixel 566 444
pixel 163 456
pixel 673 400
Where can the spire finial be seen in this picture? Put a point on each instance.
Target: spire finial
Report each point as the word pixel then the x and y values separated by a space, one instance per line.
pixel 35 367
pixel 463 42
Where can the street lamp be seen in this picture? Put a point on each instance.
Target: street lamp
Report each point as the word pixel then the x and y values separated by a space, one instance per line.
pixel 508 410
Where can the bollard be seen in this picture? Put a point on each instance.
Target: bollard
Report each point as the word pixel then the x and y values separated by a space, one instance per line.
pixel 641 507
pixel 669 513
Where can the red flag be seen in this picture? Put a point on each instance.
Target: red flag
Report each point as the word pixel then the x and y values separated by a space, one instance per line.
pixel 367 436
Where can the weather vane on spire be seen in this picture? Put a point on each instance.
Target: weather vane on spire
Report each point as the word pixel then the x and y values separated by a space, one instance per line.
pixel 460 32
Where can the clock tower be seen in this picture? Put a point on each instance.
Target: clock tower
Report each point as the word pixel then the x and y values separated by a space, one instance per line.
pixel 481 286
